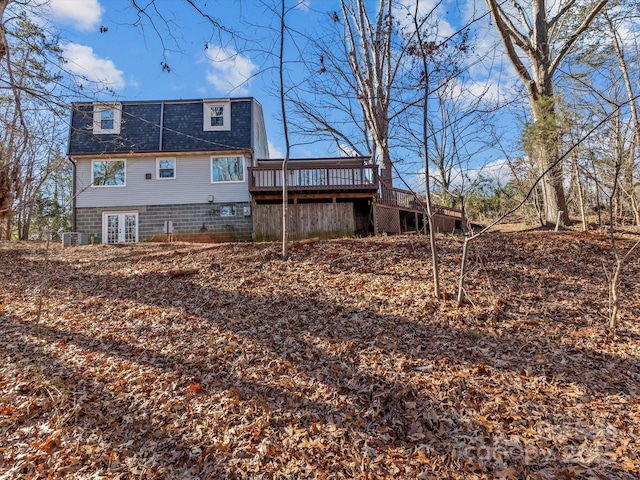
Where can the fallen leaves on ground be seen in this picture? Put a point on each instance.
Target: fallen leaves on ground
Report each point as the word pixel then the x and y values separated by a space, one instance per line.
pixel 338 363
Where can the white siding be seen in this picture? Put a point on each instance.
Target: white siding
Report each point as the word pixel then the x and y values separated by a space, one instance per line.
pixel 191 185
pixel 260 144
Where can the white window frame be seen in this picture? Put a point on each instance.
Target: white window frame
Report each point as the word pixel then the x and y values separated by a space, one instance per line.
pixel 124 162
pixel 158 160
pixel 98 108
pixel 226 115
pixel 217 182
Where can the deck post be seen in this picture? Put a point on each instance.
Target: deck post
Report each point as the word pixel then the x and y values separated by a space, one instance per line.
pixel 375 218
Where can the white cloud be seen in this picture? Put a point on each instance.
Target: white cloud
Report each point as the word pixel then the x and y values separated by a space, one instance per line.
pixel 497 171
pixel 275 152
pixel 81 14
pixel 464 178
pixel 82 61
pixel 628 32
pixel 434 8
pixel 345 150
pixel 489 69
pixel 230 71
pixel 304 5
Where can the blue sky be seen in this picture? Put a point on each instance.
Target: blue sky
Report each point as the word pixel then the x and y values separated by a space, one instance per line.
pixel 125 61
pixel 115 53
pixel 108 45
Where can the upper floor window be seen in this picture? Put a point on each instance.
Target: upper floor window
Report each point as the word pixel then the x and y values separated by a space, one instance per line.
pixel 107 118
pixel 108 173
pixel 217 115
pixel 166 168
pixel 227 169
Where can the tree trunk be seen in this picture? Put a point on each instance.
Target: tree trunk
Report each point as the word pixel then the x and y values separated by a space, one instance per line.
pixel 370 57
pixel 535 39
pixel 285 162
pixel 425 151
pixel 583 215
pixel 552 187
pixel 463 270
pixel 629 165
pixel 546 143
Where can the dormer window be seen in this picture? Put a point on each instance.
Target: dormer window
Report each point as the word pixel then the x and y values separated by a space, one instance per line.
pixel 107 118
pixel 217 115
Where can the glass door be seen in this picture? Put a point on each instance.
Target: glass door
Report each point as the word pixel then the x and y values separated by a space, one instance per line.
pixel 119 227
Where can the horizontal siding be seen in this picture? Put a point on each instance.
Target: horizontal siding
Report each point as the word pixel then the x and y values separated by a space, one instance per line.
pixel 192 185
pixel 260 144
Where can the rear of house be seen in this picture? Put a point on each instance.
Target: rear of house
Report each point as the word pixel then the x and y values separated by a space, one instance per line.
pixel 199 170
pixel 158 169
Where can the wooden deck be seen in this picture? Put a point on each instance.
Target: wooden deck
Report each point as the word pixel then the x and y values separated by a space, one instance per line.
pixel 410 201
pixel 392 210
pixel 398 211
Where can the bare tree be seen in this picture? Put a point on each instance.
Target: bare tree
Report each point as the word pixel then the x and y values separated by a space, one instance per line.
pixel 285 128
pixel 28 98
pixel 541 38
pixel 354 83
pixel 14 129
pixel 627 180
pixel 371 63
pixel 619 258
pixel 473 236
pixel 424 54
pixel 596 87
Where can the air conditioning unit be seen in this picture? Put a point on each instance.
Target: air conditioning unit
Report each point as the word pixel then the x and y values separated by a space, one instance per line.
pixel 71 239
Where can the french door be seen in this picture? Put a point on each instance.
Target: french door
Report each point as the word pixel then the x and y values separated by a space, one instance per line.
pixel 121 227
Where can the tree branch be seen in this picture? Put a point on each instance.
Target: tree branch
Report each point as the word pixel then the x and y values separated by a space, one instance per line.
pixel 575 35
pixel 508 33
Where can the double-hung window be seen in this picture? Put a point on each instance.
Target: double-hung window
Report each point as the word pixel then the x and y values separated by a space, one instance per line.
pixel 217 115
pixel 107 118
pixel 227 169
pixel 108 173
pixel 166 168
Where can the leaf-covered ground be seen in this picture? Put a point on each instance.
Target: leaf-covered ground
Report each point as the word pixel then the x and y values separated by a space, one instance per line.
pixel 335 364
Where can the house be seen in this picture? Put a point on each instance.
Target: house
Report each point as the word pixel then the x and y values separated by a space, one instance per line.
pixel 199 170
pixel 149 170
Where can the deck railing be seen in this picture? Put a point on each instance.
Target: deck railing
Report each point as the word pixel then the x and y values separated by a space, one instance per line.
pixel 340 178
pixel 267 179
pixel 405 199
